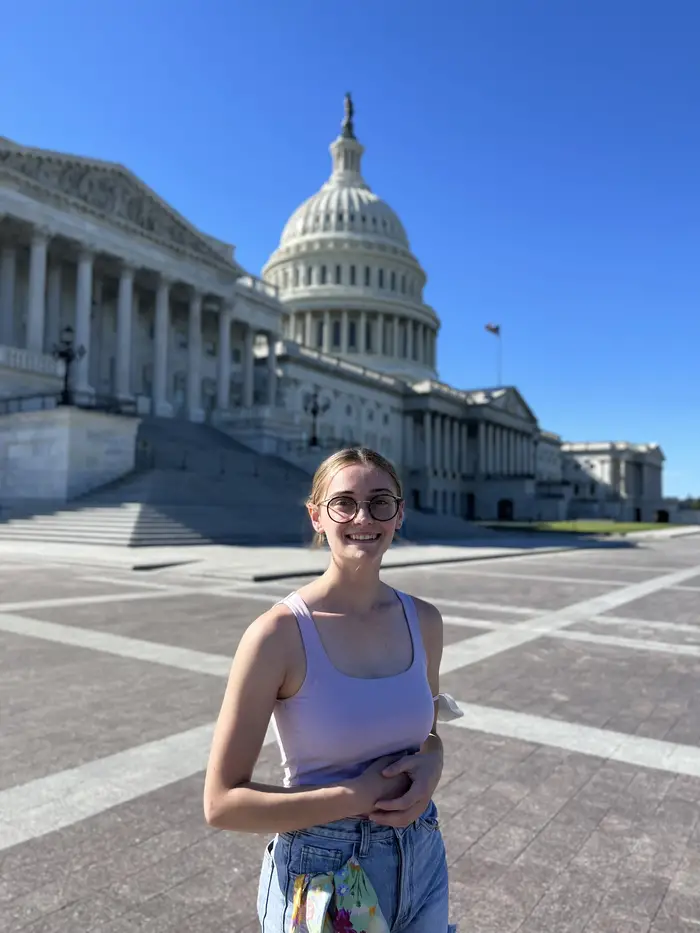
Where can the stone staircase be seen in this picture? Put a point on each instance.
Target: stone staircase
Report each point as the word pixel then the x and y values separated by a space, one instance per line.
pixel 195 485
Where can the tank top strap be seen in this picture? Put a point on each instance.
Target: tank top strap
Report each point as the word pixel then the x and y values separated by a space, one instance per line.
pixel 313 647
pixel 411 612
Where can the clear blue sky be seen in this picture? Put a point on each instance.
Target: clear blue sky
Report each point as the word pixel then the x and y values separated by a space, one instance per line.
pixel 544 156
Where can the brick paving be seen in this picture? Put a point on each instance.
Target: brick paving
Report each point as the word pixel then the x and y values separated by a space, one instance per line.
pixel 539 837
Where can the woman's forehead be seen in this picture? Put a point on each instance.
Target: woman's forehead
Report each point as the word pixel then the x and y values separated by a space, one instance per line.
pixel 359 477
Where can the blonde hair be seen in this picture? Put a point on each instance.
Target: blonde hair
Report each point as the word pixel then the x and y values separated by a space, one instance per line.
pixel 348 456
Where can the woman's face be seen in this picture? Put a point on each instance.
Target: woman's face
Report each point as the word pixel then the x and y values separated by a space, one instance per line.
pixel 367 534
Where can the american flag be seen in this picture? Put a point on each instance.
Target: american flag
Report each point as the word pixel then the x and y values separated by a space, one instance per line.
pixel 494 329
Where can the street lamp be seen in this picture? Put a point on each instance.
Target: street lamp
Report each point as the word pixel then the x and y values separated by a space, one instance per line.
pixel 313 407
pixel 67 352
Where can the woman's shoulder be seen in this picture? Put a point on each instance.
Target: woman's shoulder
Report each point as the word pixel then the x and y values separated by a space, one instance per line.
pixel 273 628
pixel 427 612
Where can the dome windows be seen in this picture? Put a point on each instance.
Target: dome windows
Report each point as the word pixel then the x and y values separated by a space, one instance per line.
pixel 368 276
pixel 338 275
pixel 352 275
pixel 295 276
pixel 380 278
pixel 393 282
pixel 323 275
pixel 309 275
pixel 403 284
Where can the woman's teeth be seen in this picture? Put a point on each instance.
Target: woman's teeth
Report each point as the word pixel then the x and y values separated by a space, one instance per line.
pixel 363 537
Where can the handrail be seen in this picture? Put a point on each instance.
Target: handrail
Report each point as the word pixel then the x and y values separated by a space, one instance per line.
pixel 6 404
pixel 48 400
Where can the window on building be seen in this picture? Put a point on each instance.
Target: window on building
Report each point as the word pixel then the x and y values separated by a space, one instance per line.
pixel 309 275
pixel 381 278
pixel 336 333
pixel 410 286
pixel 296 275
pixel 338 275
pixel 404 341
pixel 369 330
pixel 592 489
pixel 352 275
pixel 352 335
pixel 403 284
pixel 340 217
pixel 393 282
pixel 323 275
pixel 319 334
pixel 368 275
pixel 575 489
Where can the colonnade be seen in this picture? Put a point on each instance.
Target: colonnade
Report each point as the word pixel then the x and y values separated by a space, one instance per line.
pixel 447 447
pixel 44 317
pixel 392 335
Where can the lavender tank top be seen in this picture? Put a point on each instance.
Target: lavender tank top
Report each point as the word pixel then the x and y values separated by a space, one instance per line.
pixel 336 724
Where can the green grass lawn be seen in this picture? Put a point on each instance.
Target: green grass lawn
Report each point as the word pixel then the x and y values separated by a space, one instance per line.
pixel 584 526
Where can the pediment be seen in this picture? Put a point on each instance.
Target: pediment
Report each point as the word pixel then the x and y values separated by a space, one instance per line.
pixel 110 190
pixel 509 400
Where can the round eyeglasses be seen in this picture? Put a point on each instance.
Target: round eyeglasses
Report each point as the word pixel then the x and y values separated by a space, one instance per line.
pixel 382 508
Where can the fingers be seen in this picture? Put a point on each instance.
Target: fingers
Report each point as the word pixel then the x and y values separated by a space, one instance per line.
pixel 407 800
pixel 402 764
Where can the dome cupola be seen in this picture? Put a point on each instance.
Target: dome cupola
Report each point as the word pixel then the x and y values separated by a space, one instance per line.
pixel 347 276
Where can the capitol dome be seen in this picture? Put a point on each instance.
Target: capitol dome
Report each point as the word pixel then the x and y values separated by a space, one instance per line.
pixel 347 277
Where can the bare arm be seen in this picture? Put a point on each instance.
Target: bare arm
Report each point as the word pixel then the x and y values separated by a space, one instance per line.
pixel 231 799
pixel 431 630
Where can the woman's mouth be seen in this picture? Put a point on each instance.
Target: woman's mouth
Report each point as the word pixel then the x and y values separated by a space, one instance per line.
pixel 363 537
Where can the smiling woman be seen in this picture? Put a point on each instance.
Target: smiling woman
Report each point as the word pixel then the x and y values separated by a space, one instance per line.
pixel 348 669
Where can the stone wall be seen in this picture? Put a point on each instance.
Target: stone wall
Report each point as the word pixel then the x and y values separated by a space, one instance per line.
pixel 49 457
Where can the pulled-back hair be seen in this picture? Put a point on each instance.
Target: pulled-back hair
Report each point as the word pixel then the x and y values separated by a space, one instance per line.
pixel 348 456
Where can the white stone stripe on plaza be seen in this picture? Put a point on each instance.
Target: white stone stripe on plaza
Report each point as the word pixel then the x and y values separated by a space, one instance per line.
pixel 588 740
pixel 471 651
pixel 104 598
pixel 680 627
pixel 620 641
pixel 59 800
pixel 544 578
pixel 138 649
pixel 51 803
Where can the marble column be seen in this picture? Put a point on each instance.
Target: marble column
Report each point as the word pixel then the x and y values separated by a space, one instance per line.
pixel 408 443
pixel 248 367
pixel 272 364
pixel 456 447
pixel 125 302
pixel 409 339
pixel 223 359
pixel 83 311
pixel 160 404
pixel 481 452
pixel 395 336
pixel 446 440
pixel 309 329
pixel 362 336
pixel 194 358
pixel 36 304
pixel 464 447
pixel 53 305
pixel 326 332
pixel 438 442
pixel 344 329
pixel 8 276
pixel 428 439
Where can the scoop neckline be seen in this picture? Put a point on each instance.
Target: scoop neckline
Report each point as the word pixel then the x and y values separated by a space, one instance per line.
pixel 340 673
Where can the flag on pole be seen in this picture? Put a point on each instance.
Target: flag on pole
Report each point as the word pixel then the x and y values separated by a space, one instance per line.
pixel 494 329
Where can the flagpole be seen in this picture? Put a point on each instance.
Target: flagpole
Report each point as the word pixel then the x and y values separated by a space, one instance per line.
pixel 500 359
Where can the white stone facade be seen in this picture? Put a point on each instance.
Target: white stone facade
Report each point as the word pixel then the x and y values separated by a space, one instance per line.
pixel 173 326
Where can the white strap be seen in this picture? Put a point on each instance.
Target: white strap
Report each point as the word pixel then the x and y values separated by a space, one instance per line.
pixel 447 708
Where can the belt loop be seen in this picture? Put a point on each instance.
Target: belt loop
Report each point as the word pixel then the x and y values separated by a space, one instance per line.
pixel 366 830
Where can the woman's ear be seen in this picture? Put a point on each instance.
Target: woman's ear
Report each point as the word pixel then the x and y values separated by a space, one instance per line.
pixel 315 517
pixel 400 517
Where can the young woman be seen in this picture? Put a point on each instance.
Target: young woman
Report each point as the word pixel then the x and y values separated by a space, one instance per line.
pixel 348 669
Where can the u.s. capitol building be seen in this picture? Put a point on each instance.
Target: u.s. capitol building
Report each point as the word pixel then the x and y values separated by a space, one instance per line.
pixel 333 344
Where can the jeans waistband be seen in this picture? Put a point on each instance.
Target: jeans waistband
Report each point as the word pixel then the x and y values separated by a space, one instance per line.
pixel 353 830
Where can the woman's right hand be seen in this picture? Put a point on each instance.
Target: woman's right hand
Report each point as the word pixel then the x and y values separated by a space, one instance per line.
pixel 371 785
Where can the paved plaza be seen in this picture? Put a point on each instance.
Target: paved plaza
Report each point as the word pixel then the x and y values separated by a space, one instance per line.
pixel 570 799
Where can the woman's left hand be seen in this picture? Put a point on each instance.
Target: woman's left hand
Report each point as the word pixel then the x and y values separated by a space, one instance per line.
pixel 424 770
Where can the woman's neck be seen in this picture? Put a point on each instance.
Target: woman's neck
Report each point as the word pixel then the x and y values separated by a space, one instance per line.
pixel 356 590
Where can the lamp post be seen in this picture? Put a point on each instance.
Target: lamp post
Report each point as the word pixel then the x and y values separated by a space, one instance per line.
pixel 313 407
pixel 67 352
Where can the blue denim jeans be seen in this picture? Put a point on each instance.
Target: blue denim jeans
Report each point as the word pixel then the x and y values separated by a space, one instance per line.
pixel 407 868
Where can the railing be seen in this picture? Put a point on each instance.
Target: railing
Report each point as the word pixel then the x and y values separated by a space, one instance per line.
pixel 39 401
pixel 259 285
pixel 28 361
pixel 44 401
